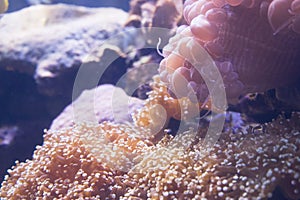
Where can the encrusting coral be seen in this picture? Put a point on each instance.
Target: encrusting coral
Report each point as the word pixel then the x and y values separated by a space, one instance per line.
pixel 120 161
pixel 84 161
pixel 138 161
pixel 244 165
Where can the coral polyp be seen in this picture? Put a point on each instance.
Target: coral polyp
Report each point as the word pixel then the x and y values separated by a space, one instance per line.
pixel 107 145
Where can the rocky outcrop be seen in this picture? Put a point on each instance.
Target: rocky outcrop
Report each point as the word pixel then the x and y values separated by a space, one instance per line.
pixel 51 42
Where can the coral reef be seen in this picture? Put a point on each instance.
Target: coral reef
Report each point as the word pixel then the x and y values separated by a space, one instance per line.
pixel 160 107
pixel 120 161
pixel 69 166
pixel 107 145
pixel 249 61
pixel 244 165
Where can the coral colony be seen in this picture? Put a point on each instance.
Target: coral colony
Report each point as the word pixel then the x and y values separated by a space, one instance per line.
pixel 255 46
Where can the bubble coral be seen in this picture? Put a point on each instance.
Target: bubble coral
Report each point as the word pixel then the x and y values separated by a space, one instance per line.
pixel 119 161
pixel 254 44
pixel 240 166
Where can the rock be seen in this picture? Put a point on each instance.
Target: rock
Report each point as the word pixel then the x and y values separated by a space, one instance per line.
pixel 104 103
pixel 51 42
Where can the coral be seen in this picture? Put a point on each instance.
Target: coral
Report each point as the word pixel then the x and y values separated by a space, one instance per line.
pixel 160 107
pixel 244 165
pixel 249 61
pixel 157 13
pixel 119 161
pixel 76 163
pixel 136 160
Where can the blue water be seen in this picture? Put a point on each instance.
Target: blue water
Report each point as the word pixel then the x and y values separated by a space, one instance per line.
pixel 122 4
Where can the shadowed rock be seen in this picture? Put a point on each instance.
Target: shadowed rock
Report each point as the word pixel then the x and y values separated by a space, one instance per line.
pixel 51 42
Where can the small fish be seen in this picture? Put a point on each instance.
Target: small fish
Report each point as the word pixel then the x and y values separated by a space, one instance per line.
pixel 3 6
